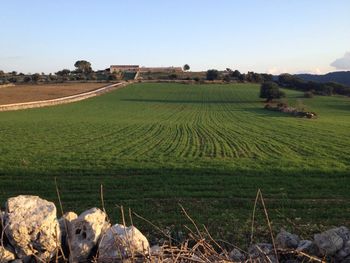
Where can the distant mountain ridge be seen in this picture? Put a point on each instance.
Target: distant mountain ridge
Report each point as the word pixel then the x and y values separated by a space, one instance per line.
pixel 342 77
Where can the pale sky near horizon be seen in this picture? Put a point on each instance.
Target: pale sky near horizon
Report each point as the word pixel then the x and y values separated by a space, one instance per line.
pixel 271 36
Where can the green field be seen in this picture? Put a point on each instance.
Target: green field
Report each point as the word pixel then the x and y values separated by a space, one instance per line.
pixel 208 147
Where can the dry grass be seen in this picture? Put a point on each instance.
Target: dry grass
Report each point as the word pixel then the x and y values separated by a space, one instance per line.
pixel 32 92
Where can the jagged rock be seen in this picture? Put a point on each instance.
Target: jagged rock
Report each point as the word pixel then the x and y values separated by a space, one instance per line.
pixel 27 259
pixel 344 251
pixel 85 232
pixel 6 255
pixel 343 232
pixel 31 226
pixel 261 251
pixel 308 247
pixel 329 242
pixel 236 255
pixel 286 240
pixel 64 223
pixel 122 242
pixel 67 218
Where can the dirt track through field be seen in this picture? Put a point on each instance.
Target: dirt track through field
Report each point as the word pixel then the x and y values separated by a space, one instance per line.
pixel 62 100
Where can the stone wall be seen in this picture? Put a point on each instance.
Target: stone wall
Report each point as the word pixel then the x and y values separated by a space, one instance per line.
pixel 6 85
pixel 63 100
pixel 31 232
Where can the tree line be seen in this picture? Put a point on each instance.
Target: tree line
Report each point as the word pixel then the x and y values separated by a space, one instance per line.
pixel 312 87
pixel 82 72
pixel 234 75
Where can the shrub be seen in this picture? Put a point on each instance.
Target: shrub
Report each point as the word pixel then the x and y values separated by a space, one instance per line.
pixel 27 79
pixel 212 74
pixel 308 94
pixel 36 77
pixel 282 105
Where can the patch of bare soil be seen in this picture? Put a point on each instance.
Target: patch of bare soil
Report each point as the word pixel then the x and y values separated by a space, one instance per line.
pixel 32 92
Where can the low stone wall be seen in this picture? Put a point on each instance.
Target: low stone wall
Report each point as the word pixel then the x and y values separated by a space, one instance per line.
pixel 6 85
pixel 31 232
pixel 63 100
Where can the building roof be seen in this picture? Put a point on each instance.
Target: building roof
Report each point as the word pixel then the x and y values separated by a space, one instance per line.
pixel 125 66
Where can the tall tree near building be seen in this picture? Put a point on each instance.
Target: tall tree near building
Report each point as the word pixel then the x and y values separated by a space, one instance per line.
pixel 83 66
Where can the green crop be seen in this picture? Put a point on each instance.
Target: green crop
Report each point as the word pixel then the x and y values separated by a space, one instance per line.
pixel 208 147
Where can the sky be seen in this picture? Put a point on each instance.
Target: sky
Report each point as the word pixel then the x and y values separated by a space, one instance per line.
pixel 273 36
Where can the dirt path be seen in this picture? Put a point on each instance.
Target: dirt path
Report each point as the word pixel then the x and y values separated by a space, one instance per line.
pixel 62 100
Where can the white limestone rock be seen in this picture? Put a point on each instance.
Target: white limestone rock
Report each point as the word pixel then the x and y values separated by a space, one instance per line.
pixel 31 226
pixel 122 242
pixel 6 255
pixel 308 246
pixel 344 252
pixel 286 240
pixel 343 232
pixel 330 241
pixel 85 233
pixel 236 255
pixel 262 252
pixel 64 223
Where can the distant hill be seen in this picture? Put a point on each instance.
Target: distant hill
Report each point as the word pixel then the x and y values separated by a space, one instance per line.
pixel 342 77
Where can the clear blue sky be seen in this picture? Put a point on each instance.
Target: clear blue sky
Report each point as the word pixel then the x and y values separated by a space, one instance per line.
pixel 264 36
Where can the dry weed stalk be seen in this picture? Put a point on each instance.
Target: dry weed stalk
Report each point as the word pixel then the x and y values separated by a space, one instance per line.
pixel 260 196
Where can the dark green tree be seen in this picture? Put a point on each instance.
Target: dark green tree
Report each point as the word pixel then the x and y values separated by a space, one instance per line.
pixel 270 90
pixel 212 74
pixel 83 66
pixel 63 72
pixel 36 77
pixel 235 74
pixel 27 79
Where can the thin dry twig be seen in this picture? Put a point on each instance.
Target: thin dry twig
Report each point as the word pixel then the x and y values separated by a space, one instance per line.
pixel 192 221
pixel 64 220
pixel 269 224
pixel 153 225
pixel 253 218
pixel 102 199
pixel 216 243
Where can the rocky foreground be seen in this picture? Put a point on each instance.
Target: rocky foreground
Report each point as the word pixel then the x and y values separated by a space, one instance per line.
pixel 31 232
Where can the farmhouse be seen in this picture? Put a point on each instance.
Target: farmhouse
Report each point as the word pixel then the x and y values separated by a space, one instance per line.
pixel 137 68
pixel 118 68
